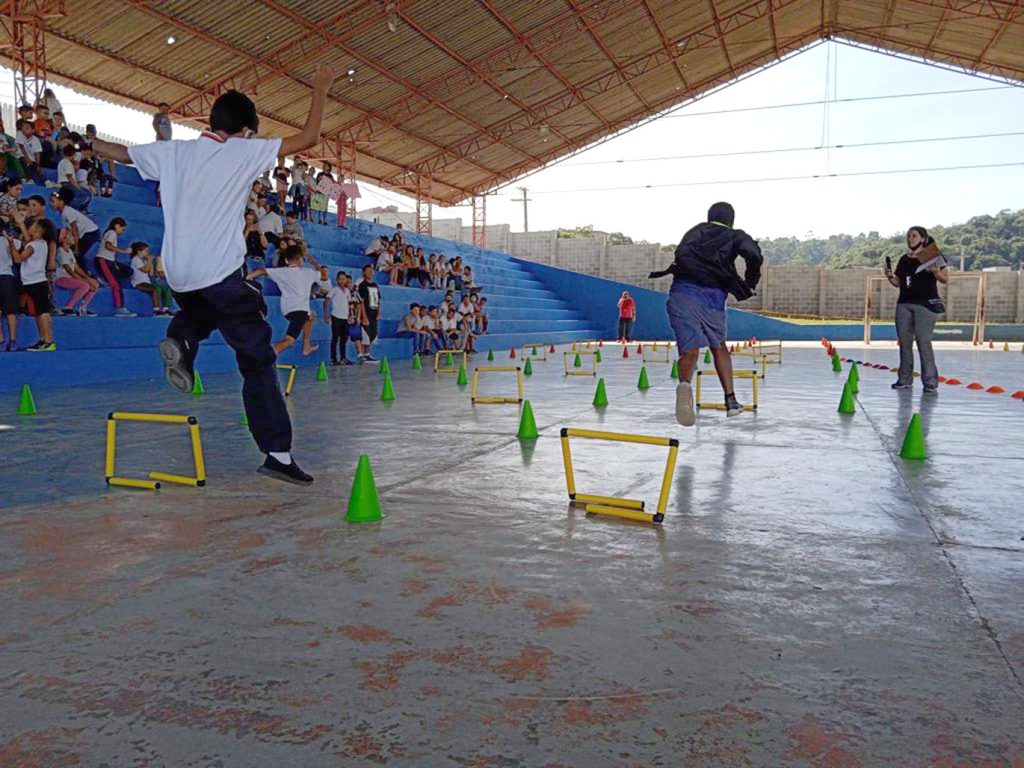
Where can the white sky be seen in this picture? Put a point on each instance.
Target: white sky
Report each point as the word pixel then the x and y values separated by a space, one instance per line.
pixel 579 192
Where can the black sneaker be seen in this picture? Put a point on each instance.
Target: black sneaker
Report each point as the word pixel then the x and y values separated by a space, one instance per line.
pixel 901 385
pixel 177 369
pixel 732 406
pixel 290 473
pixel 37 347
pixel 932 390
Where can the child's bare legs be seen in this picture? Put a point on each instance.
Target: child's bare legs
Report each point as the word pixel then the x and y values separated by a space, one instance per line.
pixel 45 326
pixel 723 366
pixel 152 295
pixel 286 343
pixel 688 364
pixel 12 327
pixel 307 331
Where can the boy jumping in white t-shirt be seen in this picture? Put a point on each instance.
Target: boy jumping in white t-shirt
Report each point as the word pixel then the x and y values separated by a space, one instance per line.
pixel 204 185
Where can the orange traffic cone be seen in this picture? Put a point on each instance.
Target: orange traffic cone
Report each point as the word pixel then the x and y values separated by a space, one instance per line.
pixel 600 344
pixel 512 353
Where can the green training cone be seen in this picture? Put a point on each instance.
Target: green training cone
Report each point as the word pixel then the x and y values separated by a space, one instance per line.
pixel 854 375
pixel 707 357
pixel 449 361
pixel 462 380
pixel 384 367
pixel 913 442
pixel 577 363
pixel 600 396
pixel 321 372
pixel 642 382
pixel 387 392
pixel 527 424
pixel 26 405
pixel 675 369
pixel 534 351
pixel 245 420
pixel 416 364
pixel 490 355
pixel 846 403
pixel 597 356
pixel 197 384
pixel 363 502
pixel 853 381
pixel 528 368
pixel 837 366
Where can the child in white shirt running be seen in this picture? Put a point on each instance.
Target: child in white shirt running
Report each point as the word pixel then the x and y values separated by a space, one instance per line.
pixel 295 282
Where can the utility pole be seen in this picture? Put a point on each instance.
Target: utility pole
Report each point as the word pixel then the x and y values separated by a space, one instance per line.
pixel 524 201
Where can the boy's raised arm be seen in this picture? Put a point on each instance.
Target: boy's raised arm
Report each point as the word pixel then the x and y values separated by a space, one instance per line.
pixel 310 133
pixel 116 152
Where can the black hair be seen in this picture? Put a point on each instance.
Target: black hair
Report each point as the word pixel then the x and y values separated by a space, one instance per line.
pixel 414 305
pixel 23 107
pixel 926 239
pixel 38 198
pixel 368 266
pixel 7 184
pixel 113 222
pixel 340 274
pixel 65 195
pixel 233 112
pixel 90 128
pixel 69 150
pixel 48 229
pixel 289 212
pixel 22 121
pixel 138 247
pixel 291 252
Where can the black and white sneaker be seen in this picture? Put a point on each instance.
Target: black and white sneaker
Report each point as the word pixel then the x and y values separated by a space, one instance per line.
pixel 901 385
pixel 177 369
pixel 932 390
pixel 733 406
pixel 289 473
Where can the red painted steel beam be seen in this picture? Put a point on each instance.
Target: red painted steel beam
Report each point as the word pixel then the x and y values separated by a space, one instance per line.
pixel 721 37
pixel 667 44
pixel 1003 26
pixel 387 73
pixel 997 10
pixel 608 53
pixel 441 46
pixel 704 37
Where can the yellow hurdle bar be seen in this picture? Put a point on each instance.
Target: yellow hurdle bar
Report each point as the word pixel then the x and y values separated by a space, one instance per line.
pixel 570 371
pixel 443 354
pixel 526 352
pixel 655 348
pixel 496 400
pixel 630 509
pixel 110 460
pixel 618 437
pixel 291 378
pixel 628 514
pixel 610 501
pixel 752 375
pixel 125 482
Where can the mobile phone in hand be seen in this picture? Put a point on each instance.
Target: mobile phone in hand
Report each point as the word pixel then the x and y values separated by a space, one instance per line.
pixel 888 264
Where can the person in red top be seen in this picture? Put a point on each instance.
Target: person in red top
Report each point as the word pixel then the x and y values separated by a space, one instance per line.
pixel 627 314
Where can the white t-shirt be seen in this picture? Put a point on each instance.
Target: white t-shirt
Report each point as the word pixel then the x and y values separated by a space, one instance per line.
pixel 410 323
pixel 71 216
pixel 322 288
pixel 340 297
pixel 66 171
pixel 271 222
pixel 6 260
pixel 466 310
pixel 295 284
pixel 204 185
pixel 449 323
pixel 138 276
pixel 81 176
pixel 375 245
pixel 110 236
pixel 27 148
pixel 384 261
pixel 65 258
pixel 33 270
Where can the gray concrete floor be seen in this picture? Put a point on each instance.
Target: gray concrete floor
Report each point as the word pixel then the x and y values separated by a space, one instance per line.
pixel 811 600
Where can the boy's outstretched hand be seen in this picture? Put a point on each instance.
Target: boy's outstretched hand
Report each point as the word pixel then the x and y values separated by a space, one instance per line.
pixel 325 76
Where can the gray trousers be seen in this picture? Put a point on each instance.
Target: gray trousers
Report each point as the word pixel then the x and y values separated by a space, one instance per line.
pixel 916 323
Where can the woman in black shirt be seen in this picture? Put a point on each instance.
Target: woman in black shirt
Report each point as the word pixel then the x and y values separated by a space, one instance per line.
pixel 917 275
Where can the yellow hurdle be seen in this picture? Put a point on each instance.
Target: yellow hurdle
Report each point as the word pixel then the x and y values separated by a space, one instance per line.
pixel 291 377
pixel 629 509
pixel 569 357
pixel 752 375
pixel 443 355
pixel 526 352
pixel 654 348
pixel 496 400
pixel 110 460
pixel 584 345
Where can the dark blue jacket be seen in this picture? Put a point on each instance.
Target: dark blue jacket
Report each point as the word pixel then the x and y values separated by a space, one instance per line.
pixel 707 256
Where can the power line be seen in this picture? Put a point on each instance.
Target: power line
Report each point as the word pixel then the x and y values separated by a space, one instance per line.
pixel 779 178
pixel 777 150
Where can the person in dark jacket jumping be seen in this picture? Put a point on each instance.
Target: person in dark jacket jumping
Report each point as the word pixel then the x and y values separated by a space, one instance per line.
pixel 704 273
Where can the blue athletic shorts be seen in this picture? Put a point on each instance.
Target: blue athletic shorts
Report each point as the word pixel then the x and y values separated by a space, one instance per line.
pixel 695 318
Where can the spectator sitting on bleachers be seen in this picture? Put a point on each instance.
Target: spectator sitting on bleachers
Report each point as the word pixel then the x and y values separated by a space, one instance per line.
pixel 295 281
pixel 29 151
pixel 467 279
pixel 61 136
pixel 92 173
pixel 466 310
pixel 71 277
pixel 481 314
pixel 271 225
pixel 34 259
pixel 450 328
pixel 386 263
pixel 44 130
pixel 254 197
pixel 433 322
pixel 67 177
pixel 292 230
pixel 10 165
pixel 111 173
pixel 255 241
pixel 11 193
pixel 375 248
pixel 415 268
pixel 106 262
pixel 436 268
pixel 143 270
pixel 411 328
pixel 84 232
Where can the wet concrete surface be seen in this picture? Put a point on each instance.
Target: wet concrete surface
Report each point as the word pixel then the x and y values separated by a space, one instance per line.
pixel 811 600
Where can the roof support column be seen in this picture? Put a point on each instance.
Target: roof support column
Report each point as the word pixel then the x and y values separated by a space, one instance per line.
pixel 346 154
pixel 26 20
pixel 424 205
pixel 480 221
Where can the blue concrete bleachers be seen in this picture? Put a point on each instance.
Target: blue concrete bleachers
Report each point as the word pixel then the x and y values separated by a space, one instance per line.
pixel 522 307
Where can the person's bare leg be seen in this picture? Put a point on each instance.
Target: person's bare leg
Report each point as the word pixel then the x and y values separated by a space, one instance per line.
pixel 686 413
pixel 723 366
pixel 12 327
pixel 307 331
pixel 45 325
pixel 286 343
pixel 688 364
